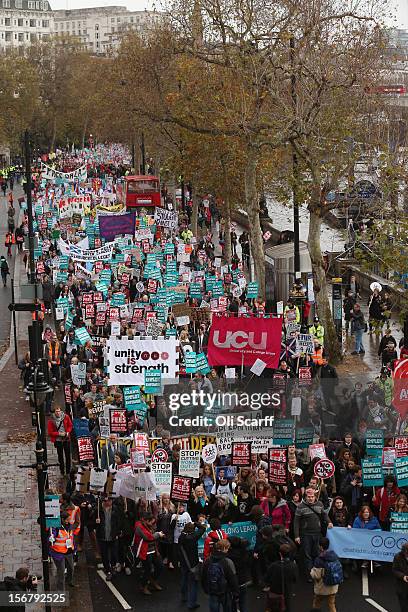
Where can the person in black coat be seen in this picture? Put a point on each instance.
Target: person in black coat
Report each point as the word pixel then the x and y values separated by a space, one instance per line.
pixel 400 571
pixel 188 547
pixel 241 557
pixel 199 504
pixel 108 530
pixel 281 576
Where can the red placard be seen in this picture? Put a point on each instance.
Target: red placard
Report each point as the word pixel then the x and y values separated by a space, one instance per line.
pixel 100 318
pixel 152 285
pixel 400 376
pixel 181 488
pixel 89 311
pixel 142 442
pixel 85 449
pixel 234 341
pixel 277 473
pixel 98 266
pixel 67 392
pixel 241 454
pixel 277 454
pixel 401 446
pixel 113 313
pixel 118 421
pixel 87 298
pixel 125 278
pixel 305 373
pixel 97 297
pixel 137 315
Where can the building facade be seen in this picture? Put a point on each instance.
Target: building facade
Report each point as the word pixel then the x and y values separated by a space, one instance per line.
pixel 100 28
pixel 24 21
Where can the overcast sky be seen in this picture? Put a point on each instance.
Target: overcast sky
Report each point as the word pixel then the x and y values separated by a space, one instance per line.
pixel 140 5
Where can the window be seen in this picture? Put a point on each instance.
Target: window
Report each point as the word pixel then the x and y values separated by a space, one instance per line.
pixel 20 37
pixel 31 4
pixel 37 6
pixel 6 3
pixel 118 20
pixel 7 21
pixel 44 6
pixel 97 36
pixel 20 22
pixel 45 23
pixel 8 36
pixel 15 36
pixel 112 20
pixel 18 4
pixel 32 23
pixel 96 27
pixel 33 37
pixel 131 20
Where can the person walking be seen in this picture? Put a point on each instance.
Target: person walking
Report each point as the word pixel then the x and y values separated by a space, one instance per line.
pixel 280 578
pixel 309 522
pixel 145 545
pixel 8 242
pixel 108 528
pixel 4 269
pixel 358 326
pixel 219 579
pixel 59 431
pixel 190 563
pixel 62 551
pixel 400 571
pixel 327 574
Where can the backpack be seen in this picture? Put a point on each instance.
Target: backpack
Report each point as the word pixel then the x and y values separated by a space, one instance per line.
pixel 333 573
pixel 4 267
pixel 216 581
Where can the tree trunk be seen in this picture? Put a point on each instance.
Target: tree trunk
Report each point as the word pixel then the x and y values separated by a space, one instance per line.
pixel 54 134
pixel 194 215
pixel 331 342
pixel 255 231
pixel 227 227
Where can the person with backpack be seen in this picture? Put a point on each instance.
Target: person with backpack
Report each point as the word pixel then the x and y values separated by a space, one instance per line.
pixel 327 575
pixel 190 563
pixel 219 579
pixel 240 554
pixel 213 537
pixel 280 578
pixel 4 269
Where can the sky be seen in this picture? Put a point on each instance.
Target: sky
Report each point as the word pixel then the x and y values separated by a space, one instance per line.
pixel 401 7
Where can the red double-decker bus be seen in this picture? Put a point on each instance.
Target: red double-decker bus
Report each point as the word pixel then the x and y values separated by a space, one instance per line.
pixel 139 191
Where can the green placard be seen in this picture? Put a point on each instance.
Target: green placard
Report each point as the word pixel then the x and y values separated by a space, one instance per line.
pixel 252 290
pixel 372 473
pixel 283 430
pixel 304 437
pixel 374 442
pixel 152 382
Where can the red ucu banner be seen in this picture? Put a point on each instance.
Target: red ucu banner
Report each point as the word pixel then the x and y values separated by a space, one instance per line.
pixel 234 341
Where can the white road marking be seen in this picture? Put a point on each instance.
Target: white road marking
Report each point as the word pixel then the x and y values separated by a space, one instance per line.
pixel 364 581
pixel 376 605
pixel 115 591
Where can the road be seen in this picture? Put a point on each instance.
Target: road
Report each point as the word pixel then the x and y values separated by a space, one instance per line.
pixel 379 590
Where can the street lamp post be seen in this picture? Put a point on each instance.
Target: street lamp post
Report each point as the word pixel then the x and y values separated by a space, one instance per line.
pixel 27 153
pixel 38 389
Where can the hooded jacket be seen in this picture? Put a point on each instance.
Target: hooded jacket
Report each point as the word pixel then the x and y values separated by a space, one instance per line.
pixel 280 514
pixel 317 573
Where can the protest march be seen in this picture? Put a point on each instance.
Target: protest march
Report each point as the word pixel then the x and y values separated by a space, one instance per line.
pixel 200 430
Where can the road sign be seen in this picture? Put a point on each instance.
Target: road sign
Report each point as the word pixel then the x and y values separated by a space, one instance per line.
pixel 24 307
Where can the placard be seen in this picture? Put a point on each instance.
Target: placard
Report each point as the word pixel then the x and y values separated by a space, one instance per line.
pixel 372 473
pixel 118 421
pixel 399 522
pixel 52 511
pixel 97 480
pixel 162 473
pixel 283 432
pixel 132 397
pixel 374 442
pixel 277 472
pixel 304 437
pixel 324 469
pixel 181 489
pixel 401 471
pixel 152 382
pixel 241 454
pixel 317 450
pixel 258 367
pixel 209 453
pixel 189 463
pixel 85 449
pixel 401 446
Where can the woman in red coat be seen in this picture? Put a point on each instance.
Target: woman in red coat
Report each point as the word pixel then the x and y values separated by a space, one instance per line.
pixel 277 508
pixel 59 431
pixel 384 500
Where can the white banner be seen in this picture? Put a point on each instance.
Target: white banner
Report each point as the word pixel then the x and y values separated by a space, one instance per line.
pixel 165 218
pixel 49 173
pixel 130 358
pixel 77 254
pixel 73 205
pixel 189 463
